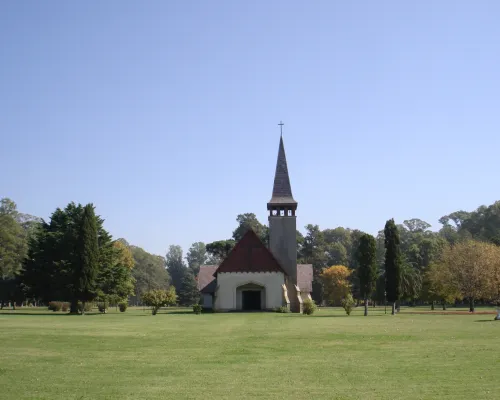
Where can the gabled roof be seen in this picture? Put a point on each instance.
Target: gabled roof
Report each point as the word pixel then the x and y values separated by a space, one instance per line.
pixel 206 279
pixel 250 255
pixel 305 277
pixel 282 190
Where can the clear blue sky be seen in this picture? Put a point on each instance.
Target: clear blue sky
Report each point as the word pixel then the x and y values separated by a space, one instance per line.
pixel 164 113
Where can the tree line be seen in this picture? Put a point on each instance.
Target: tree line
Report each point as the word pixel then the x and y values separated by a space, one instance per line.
pixel 39 260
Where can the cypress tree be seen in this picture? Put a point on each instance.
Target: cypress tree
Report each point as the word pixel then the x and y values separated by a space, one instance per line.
pixel 392 263
pixel 87 256
pixel 189 294
pixel 367 269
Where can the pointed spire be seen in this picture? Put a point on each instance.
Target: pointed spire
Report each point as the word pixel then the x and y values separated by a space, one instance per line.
pixel 282 190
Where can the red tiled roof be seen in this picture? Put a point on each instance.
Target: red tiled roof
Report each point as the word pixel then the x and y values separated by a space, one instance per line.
pixel 305 277
pixel 206 278
pixel 250 255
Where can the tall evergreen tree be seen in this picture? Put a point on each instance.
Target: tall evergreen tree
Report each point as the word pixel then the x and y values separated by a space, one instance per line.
pixel 189 294
pixel 87 254
pixel 367 267
pixel 392 263
pixel 175 266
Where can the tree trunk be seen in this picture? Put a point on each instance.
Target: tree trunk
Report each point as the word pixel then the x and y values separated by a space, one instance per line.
pixel 73 309
pixel 155 310
pixel 366 306
pixel 393 308
pixel 444 305
pixel 471 305
pixel 432 305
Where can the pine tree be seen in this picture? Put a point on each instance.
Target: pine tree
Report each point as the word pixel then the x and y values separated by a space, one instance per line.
pixel 392 263
pixel 367 269
pixel 189 294
pixel 87 254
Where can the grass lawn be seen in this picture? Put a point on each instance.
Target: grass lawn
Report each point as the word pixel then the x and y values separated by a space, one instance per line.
pixel 176 355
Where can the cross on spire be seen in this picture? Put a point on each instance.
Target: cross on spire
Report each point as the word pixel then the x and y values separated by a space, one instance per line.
pixel 281 127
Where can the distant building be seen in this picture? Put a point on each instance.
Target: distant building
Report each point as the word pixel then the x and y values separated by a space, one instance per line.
pixel 253 277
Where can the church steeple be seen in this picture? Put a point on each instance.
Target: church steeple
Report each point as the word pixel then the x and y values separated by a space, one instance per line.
pixel 283 222
pixel 282 198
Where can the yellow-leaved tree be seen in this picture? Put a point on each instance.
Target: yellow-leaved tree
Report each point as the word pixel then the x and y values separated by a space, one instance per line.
pixel 466 269
pixel 336 285
pixel 124 255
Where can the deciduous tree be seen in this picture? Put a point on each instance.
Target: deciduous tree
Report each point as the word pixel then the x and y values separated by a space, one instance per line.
pixel 13 249
pixel 219 250
pixel 336 283
pixel 149 272
pixel 196 256
pixel 314 252
pixel 468 263
pixel 439 285
pixel 249 221
pixel 411 281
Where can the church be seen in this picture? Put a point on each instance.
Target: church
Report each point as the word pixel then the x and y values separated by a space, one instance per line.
pixel 254 277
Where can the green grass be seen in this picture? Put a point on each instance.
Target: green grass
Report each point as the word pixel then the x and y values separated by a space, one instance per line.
pixel 328 355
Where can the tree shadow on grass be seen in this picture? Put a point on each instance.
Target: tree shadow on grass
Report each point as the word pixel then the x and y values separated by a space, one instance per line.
pixel 487 320
pixel 42 314
pixel 181 312
pixel 337 316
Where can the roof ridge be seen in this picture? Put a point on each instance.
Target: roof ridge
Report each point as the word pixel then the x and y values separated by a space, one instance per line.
pixel 244 250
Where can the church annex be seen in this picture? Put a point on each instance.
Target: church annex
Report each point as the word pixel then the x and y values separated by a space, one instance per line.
pixel 254 277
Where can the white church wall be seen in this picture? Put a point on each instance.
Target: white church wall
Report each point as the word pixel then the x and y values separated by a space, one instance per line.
pixel 228 283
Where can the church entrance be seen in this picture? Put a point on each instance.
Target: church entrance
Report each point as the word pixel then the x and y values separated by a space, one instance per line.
pixel 251 300
pixel 250 297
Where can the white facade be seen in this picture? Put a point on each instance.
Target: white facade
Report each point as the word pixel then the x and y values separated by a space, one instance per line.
pixel 228 295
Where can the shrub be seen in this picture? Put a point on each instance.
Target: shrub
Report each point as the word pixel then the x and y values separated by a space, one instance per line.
pixel 309 306
pixel 282 309
pixel 348 303
pixel 88 306
pixel 65 306
pixel 102 307
pixel 158 298
pixel 123 306
pixel 55 306
pixel 197 308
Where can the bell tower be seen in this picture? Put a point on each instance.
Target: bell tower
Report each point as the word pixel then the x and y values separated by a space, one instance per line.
pixel 282 218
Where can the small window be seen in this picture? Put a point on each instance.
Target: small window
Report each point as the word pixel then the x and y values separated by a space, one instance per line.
pixel 289 213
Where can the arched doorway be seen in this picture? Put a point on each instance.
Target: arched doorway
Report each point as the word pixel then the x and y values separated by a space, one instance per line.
pixel 250 297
